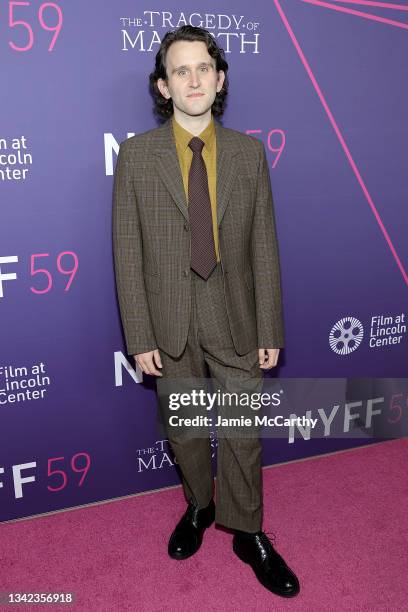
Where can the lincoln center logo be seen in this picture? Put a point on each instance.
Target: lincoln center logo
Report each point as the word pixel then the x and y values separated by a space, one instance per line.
pixel 346 335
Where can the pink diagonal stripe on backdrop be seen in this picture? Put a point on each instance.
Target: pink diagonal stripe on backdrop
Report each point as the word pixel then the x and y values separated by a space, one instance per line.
pixel 342 141
pixel 387 5
pixel 343 9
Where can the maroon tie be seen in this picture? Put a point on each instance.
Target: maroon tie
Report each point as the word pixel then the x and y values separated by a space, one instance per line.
pixel 203 257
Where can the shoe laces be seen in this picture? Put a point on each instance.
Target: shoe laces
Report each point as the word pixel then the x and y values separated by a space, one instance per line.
pixel 192 512
pixel 269 552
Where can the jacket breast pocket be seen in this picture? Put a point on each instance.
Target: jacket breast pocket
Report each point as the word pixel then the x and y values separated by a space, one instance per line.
pixel 152 282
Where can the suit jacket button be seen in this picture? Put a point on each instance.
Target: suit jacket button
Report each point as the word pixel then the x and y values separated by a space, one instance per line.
pixel 186 226
pixel 185 272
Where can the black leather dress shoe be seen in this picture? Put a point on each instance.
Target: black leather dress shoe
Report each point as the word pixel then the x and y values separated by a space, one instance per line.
pixel 187 537
pixel 269 567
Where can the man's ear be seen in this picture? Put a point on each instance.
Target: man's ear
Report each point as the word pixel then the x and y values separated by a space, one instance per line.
pixel 221 79
pixel 162 85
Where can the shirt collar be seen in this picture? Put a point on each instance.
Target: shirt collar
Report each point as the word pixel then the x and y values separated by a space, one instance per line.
pixel 183 136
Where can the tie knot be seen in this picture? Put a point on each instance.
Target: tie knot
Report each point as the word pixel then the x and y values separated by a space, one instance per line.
pixel 196 144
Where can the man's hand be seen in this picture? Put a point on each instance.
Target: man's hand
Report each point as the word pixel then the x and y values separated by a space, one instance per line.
pixel 147 362
pixel 268 358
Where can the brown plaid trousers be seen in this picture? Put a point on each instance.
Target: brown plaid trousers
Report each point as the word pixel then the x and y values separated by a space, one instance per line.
pixel 210 355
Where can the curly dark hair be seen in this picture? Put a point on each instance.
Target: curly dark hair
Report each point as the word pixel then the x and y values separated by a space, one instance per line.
pixel 164 108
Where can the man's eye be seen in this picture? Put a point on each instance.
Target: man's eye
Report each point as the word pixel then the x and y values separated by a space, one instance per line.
pixel 181 72
pixel 205 68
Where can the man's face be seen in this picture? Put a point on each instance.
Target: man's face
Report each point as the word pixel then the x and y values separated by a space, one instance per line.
pixel 192 80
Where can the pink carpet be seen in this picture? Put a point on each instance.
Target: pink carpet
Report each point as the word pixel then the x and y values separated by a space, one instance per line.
pixel 341 522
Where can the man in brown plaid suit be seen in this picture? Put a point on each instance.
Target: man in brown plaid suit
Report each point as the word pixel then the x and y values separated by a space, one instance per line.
pixel 198 282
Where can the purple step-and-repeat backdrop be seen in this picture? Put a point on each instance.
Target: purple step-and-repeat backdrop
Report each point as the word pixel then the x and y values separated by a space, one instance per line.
pixel 321 84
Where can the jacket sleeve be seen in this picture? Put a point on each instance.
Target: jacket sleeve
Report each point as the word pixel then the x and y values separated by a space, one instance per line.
pixel 128 260
pixel 265 262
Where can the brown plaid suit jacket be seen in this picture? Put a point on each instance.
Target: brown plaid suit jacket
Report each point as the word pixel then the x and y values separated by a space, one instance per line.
pixel 151 242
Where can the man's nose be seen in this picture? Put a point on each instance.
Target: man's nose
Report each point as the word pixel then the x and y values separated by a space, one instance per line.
pixel 194 79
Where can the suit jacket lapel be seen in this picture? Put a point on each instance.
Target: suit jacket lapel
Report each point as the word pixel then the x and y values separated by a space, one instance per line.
pixel 226 168
pixel 168 167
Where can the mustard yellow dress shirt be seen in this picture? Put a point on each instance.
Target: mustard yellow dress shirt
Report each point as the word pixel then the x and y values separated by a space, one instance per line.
pixel 209 153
